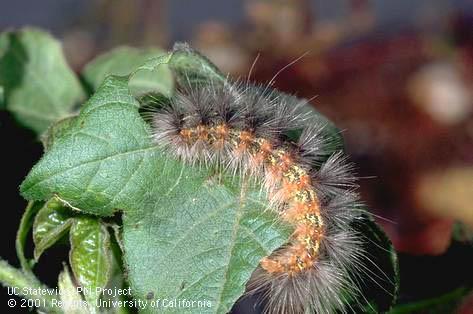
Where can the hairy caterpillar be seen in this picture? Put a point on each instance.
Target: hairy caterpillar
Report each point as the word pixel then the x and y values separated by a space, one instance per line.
pixel 244 129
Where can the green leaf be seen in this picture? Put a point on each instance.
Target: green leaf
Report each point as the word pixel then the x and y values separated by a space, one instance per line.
pixel 51 223
pixel 107 160
pixel 201 241
pixel 72 301
pixel 13 277
pixel 380 284
pixel 55 131
pixel 39 87
pixel 190 66
pixel 94 166
pixel 90 256
pixel 22 234
pixel 121 62
pixel 2 98
pixel 187 65
pixel 117 281
pixel 445 303
pixel 462 233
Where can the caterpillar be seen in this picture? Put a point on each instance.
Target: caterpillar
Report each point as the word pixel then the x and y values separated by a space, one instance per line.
pixel 245 129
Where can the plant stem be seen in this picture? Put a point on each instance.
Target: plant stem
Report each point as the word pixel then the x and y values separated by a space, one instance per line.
pixel 25 225
pixel 12 277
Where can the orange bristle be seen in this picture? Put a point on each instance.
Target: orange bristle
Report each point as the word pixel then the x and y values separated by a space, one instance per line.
pixel 266 146
pixel 295 212
pixel 202 132
pixel 289 189
pixel 245 139
pixel 221 131
pixel 271 266
pixel 186 134
pixel 285 161
pixel 305 181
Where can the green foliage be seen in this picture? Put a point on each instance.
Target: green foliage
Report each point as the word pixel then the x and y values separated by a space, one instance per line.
pixel 124 60
pixel 2 98
pixel 445 303
pixel 187 232
pixel 380 262
pixel 51 223
pixel 70 296
pixel 23 230
pixel 100 162
pixel 38 85
pixel 113 164
pixel 55 131
pixel 90 256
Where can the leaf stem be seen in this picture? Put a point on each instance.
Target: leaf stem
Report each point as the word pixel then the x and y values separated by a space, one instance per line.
pixel 25 225
pixel 12 277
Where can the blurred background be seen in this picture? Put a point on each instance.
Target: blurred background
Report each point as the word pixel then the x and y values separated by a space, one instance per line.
pixel 395 76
